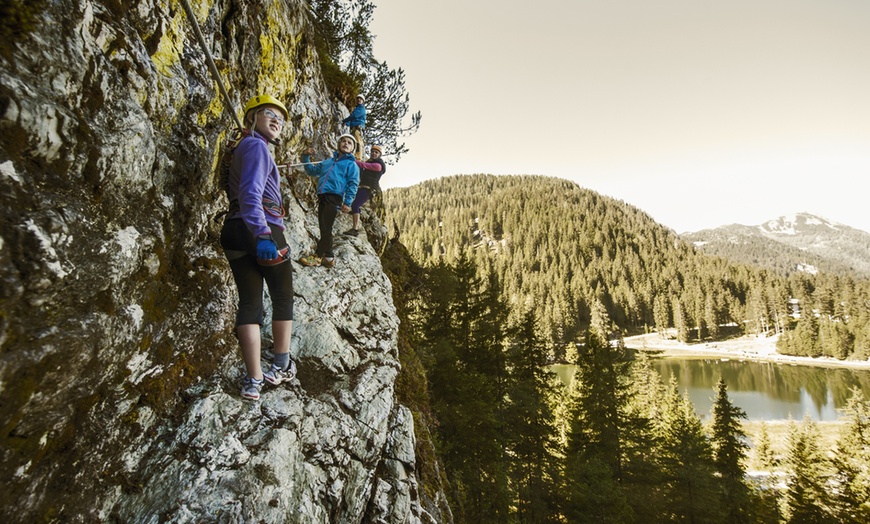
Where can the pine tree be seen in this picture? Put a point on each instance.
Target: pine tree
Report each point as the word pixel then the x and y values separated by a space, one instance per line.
pixel 601 372
pixel 851 503
pixel 730 450
pixel 681 321
pixel 463 343
pixel 806 492
pixel 593 494
pixel 530 428
pixel 593 470
pixel 478 337
pixel 687 462
pixel 711 315
pixel 804 338
pixel 642 443
pixel 661 313
pixel 388 104
pixel 764 454
pixel 349 67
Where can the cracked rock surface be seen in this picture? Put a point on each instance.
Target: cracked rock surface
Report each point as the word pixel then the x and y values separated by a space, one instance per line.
pixel 119 370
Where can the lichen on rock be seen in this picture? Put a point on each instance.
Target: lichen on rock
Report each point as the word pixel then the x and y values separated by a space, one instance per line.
pixel 118 364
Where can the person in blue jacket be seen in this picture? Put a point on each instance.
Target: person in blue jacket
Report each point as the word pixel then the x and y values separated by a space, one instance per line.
pixel 357 122
pixel 337 182
pixel 253 241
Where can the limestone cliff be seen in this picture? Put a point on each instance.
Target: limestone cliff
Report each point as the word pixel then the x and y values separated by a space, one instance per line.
pixel 118 367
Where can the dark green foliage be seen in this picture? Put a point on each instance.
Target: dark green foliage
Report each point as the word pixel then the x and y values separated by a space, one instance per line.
pixel 729 451
pixel 344 46
pixel 598 419
pixel 564 248
pixel 550 242
pixel 609 439
pixel 645 474
pixel 530 428
pixel 412 387
pixel 851 501
pixel 806 494
pixel 687 463
pixel 593 494
pixel 463 341
pixel 515 269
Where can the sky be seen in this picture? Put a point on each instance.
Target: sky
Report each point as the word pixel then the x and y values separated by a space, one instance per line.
pixel 701 113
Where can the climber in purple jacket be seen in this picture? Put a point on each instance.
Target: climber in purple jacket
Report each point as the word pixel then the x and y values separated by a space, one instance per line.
pixel 253 241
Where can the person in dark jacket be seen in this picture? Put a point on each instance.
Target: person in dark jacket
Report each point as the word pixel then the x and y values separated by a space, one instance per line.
pixel 357 122
pixel 371 172
pixel 253 241
pixel 337 182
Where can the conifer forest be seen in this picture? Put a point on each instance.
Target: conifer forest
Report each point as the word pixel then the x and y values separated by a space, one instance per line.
pixel 497 278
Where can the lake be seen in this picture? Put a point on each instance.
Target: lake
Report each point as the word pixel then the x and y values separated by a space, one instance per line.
pixel 766 391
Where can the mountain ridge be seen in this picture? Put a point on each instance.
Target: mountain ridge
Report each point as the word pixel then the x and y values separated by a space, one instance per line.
pixel 801 242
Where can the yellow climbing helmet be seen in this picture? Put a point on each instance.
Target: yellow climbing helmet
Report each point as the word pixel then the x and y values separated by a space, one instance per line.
pixel 261 100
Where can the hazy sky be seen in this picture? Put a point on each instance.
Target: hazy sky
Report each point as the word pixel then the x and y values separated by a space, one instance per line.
pixel 699 112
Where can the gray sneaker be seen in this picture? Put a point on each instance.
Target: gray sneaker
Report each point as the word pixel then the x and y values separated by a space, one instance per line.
pixel 276 375
pixel 251 388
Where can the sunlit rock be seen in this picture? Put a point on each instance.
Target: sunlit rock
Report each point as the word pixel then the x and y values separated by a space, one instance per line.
pixel 119 369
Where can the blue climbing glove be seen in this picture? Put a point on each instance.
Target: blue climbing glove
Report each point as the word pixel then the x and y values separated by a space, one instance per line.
pixel 266 249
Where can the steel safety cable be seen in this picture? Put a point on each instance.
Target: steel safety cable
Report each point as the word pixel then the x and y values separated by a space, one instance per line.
pixel 211 65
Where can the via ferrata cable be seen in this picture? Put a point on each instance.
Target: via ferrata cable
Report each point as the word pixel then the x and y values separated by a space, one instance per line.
pixel 212 67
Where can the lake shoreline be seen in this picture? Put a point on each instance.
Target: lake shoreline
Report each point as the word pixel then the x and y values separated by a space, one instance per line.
pixel 747 347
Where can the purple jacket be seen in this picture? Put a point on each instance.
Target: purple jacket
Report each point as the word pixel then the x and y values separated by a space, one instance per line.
pixel 254 182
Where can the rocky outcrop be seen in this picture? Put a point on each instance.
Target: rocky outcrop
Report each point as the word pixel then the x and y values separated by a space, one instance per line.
pixel 118 366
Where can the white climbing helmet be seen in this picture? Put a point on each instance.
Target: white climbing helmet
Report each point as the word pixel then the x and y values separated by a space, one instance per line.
pixel 346 135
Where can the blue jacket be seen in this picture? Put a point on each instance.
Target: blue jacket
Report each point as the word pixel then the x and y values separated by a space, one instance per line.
pixel 357 117
pixel 338 175
pixel 253 181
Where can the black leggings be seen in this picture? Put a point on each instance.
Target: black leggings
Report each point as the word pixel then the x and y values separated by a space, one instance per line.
pixel 363 195
pixel 240 249
pixel 327 210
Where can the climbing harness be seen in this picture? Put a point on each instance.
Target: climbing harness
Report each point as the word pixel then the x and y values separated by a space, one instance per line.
pixel 227 148
pixel 283 256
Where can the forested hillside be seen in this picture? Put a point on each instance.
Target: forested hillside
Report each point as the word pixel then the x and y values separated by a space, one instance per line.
pixel 513 443
pixel 562 251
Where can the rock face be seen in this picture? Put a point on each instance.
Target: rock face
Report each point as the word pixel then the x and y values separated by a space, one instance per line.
pixel 118 365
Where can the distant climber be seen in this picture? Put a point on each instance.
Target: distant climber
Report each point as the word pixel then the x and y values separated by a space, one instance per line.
pixel 253 241
pixel 337 182
pixel 371 172
pixel 357 122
